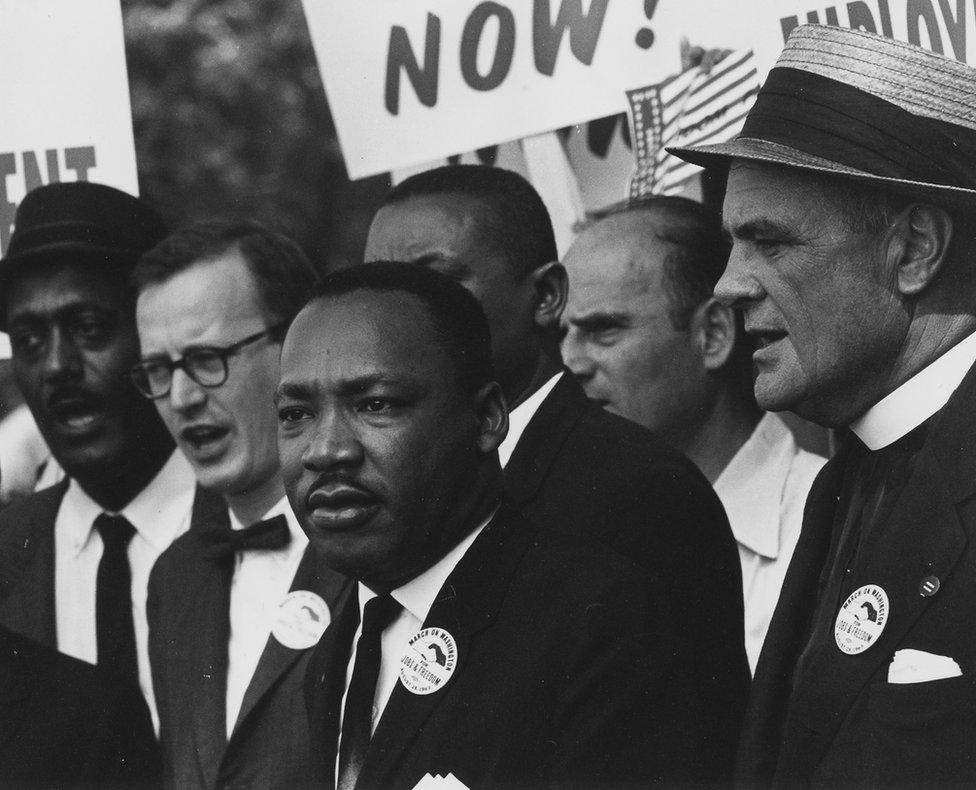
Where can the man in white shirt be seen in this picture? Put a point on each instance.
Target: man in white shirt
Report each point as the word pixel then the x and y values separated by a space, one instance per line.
pixel 850 203
pixel 75 558
pixel 569 465
pixel 235 604
pixel 647 340
pixel 480 646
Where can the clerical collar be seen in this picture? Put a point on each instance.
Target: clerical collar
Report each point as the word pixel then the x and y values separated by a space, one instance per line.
pixel 917 399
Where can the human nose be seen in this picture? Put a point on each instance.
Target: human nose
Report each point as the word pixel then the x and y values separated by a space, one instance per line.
pixel 63 360
pixel 184 393
pixel 738 285
pixel 333 443
pixel 575 357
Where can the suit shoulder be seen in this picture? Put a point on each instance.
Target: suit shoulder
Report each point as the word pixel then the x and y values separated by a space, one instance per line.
pixel 31 513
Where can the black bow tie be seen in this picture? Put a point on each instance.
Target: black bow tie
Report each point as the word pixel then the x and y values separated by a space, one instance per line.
pixel 220 542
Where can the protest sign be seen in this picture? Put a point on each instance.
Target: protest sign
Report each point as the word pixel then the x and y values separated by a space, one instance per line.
pixel 66 116
pixel 410 81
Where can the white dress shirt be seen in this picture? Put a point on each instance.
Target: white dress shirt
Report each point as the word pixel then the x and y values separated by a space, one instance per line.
pixel 160 513
pixel 917 399
pixel 416 597
pixel 518 419
pixel 262 578
pixel 763 489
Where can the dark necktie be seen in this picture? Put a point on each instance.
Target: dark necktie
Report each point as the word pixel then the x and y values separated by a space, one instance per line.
pixel 113 599
pixel 221 542
pixel 357 719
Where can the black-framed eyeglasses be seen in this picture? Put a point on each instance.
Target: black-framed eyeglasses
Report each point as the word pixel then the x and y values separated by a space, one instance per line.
pixel 206 365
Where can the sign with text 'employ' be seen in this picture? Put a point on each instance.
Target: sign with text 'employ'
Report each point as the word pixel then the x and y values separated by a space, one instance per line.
pixel 410 81
pixel 64 99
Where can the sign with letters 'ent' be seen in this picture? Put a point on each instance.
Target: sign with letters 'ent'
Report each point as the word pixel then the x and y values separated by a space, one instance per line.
pixel 410 81
pixel 64 99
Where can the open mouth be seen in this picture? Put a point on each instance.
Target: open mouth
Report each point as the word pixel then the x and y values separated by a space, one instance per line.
pixel 767 337
pixel 203 437
pixel 76 414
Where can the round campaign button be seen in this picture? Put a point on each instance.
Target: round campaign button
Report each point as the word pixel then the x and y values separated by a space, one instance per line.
pixel 302 617
pixel 429 661
pixel 861 619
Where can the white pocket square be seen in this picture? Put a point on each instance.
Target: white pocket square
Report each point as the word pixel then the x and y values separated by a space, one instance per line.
pixel 917 666
pixel 438 782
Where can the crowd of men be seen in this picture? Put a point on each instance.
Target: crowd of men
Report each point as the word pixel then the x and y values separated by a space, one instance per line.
pixel 465 514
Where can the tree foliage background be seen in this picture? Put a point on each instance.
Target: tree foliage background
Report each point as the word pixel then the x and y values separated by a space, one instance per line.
pixel 231 120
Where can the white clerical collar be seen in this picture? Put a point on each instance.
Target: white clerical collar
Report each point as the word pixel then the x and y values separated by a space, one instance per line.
pixel 518 418
pixel 418 594
pixel 156 512
pixel 917 399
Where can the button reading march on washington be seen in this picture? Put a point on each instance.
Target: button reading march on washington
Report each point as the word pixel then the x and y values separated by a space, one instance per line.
pixel 930 586
pixel 301 619
pixel 429 661
pixel 861 619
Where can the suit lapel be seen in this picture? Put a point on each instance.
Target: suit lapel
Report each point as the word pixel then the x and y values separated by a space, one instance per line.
pixel 923 537
pixel 27 602
pixel 543 438
pixel 206 615
pixel 312 575
pixel 16 681
pixel 466 605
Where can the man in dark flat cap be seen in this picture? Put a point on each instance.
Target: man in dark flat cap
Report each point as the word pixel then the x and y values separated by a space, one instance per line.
pixel 851 200
pixel 75 558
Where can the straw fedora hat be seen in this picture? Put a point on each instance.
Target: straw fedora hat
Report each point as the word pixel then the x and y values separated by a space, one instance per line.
pixel 863 107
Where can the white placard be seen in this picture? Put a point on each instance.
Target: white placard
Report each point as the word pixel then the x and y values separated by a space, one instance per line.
pixel 411 81
pixel 64 99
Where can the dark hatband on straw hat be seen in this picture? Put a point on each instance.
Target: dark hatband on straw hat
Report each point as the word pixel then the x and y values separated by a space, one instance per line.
pixel 864 107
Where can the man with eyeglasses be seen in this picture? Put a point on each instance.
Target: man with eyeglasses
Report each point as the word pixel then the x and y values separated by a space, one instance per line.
pixel 75 558
pixel 235 603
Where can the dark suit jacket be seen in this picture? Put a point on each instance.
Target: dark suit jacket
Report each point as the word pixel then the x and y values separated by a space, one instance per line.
pixel 566 674
pixel 65 723
pixel 188 611
pixel 582 471
pixel 843 723
pixel 27 561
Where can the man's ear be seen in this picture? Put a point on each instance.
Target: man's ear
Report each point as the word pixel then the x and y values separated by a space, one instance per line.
pixel 551 287
pixel 919 243
pixel 492 417
pixel 714 331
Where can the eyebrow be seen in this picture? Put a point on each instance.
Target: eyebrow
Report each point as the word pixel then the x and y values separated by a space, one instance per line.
pixel 755 228
pixel 301 390
pixel 599 319
pixel 62 313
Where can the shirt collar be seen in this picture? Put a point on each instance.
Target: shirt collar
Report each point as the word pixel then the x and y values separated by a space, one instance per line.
pixel 751 486
pixel 418 594
pixel 157 512
pixel 518 418
pixel 280 508
pixel 917 399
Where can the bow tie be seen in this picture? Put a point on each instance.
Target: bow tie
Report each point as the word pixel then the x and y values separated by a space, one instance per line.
pixel 221 542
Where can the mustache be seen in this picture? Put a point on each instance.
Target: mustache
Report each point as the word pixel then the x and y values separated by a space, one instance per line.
pixel 339 484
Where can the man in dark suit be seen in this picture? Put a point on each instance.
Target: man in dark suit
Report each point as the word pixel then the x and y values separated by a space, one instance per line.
pixel 487 649
pixel 236 602
pixel 65 723
pixel 569 465
pixel 850 202
pixel 75 559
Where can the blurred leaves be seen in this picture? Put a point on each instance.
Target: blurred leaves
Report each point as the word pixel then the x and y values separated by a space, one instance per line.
pixel 231 120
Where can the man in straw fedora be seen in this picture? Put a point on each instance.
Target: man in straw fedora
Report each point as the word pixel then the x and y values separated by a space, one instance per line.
pixel 851 200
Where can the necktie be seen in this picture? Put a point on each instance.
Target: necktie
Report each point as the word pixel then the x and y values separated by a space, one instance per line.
pixel 357 719
pixel 222 542
pixel 114 629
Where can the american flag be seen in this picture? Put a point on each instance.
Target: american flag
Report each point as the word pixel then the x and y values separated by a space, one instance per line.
pixel 699 106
